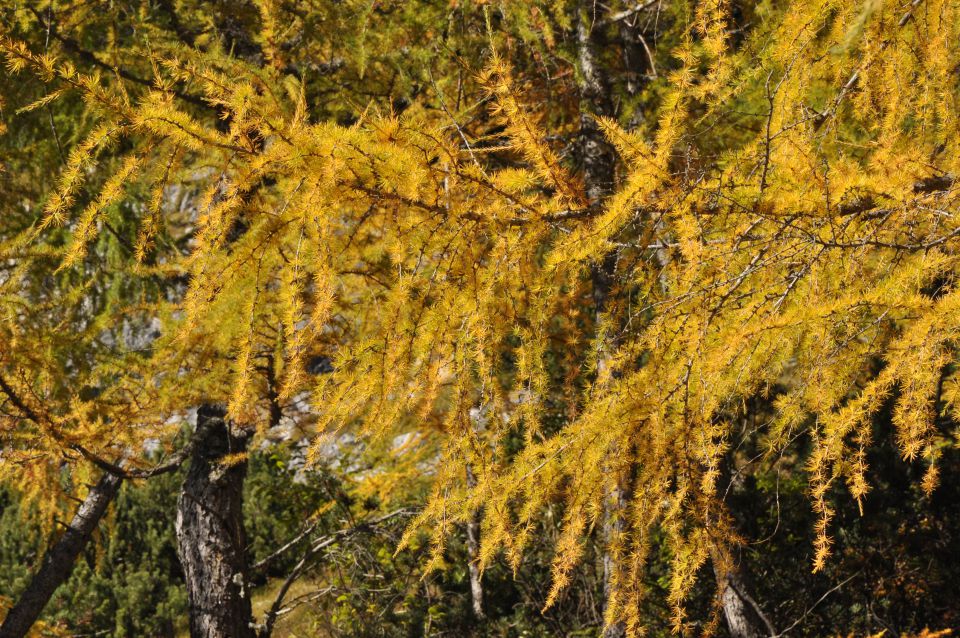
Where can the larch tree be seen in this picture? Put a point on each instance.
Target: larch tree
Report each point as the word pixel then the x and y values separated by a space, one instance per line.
pixel 554 247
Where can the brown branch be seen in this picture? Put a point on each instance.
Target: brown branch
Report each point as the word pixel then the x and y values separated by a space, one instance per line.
pixel 14 398
pixel 316 546
pixel 909 14
pixel 57 562
pixel 88 56
pixel 934 184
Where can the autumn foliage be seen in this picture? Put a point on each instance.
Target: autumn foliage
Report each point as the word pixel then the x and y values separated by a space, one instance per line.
pixel 502 322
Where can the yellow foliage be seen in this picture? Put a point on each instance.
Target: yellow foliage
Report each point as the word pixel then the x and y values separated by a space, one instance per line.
pixel 799 253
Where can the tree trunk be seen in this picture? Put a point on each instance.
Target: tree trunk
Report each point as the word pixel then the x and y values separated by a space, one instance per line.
pixel 614 524
pixel 473 555
pixel 598 159
pixel 744 617
pixel 58 561
pixel 615 504
pixel 210 535
pixel 596 154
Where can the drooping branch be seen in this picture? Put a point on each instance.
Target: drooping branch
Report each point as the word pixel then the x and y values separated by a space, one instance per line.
pixel 169 465
pixel 89 57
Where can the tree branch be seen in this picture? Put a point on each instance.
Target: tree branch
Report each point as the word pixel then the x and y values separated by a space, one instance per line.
pixel 316 546
pixel 628 13
pixel 88 56
pixel 175 460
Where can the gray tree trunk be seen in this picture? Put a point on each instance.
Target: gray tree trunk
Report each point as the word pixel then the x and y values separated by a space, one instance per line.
pixel 744 617
pixel 211 539
pixel 598 159
pixel 473 555
pixel 58 560
pixel 613 525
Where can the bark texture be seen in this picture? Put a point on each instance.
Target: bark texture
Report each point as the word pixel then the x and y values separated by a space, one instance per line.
pixel 473 555
pixel 58 561
pixel 744 617
pixel 211 539
pixel 598 160
pixel 614 525
pixel 596 154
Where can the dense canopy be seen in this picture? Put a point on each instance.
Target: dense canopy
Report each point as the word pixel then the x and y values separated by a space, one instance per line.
pixel 539 259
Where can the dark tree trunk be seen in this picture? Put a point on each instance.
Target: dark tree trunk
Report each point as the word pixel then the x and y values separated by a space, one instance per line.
pixel 596 154
pixel 210 535
pixel 58 561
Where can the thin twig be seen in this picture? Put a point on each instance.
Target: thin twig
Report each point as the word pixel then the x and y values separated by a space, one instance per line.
pixel 276 609
pixel 627 13
pixel 812 607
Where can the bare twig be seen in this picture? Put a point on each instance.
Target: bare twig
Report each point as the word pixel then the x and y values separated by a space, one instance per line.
pixel 814 605
pixel 909 13
pixel 276 609
pixel 628 13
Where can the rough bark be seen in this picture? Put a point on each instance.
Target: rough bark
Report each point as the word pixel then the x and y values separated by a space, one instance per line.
pixel 473 555
pixel 596 154
pixel 58 561
pixel 614 524
pixel 744 617
pixel 211 539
